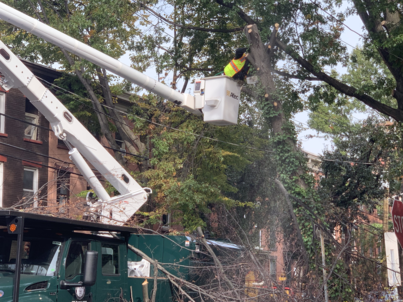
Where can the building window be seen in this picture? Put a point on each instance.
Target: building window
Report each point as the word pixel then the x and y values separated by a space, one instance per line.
pixel 272 239
pixel 30 186
pixel 2 110
pixel 31 132
pixel 32 117
pixel 166 222
pixel 61 144
pixel 121 143
pixel 1 184
pixel 63 187
pixel 273 269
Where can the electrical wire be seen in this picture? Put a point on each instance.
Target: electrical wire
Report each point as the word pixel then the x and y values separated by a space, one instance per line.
pixel 154 25
pixel 340 21
pixel 36 163
pixel 48 129
pixel 147 120
pixel 25 122
pixel 37 153
pixel 173 128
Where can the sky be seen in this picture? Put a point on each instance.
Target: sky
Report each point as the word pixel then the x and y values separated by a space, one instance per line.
pixel 317 145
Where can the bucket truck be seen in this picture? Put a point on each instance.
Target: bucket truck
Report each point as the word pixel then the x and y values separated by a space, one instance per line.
pixel 53 259
pixel 217 98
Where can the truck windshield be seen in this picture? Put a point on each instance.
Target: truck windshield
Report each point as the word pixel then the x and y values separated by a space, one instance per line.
pixel 39 256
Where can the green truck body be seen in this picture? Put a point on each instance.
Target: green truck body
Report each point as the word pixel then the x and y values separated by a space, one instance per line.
pixel 51 254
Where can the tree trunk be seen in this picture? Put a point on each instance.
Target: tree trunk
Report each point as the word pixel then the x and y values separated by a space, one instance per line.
pixel 103 121
pixel 133 142
pixel 259 57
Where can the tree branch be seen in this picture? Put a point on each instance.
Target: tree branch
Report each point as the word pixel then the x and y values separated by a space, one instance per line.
pixel 191 27
pixel 216 261
pixel 240 12
pixel 291 76
pixel 343 88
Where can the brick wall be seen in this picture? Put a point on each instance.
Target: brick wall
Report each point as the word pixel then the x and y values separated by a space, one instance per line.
pixel 14 168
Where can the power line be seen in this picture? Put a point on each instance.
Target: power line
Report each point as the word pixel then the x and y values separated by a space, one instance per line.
pixel 36 163
pixel 48 129
pixel 159 124
pixel 338 20
pixel 173 128
pixel 25 122
pixel 147 120
pixel 154 25
pixel 37 153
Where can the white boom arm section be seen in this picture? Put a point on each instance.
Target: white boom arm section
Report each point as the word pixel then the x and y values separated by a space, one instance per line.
pixel 217 98
pixel 82 50
pixel 116 210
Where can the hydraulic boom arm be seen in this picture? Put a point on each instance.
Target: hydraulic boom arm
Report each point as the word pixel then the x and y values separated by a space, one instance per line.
pixel 216 97
pixel 116 210
pixel 82 50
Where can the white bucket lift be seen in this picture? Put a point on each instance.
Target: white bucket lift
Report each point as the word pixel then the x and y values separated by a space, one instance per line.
pixel 219 98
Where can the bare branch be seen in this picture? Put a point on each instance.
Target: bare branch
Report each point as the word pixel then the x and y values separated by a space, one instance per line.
pixel 291 76
pixel 237 29
pixel 343 88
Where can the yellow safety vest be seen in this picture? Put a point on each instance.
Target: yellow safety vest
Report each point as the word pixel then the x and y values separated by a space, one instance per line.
pixel 235 66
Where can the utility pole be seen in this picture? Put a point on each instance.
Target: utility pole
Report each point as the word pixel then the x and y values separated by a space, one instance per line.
pixel 386 211
pixel 322 247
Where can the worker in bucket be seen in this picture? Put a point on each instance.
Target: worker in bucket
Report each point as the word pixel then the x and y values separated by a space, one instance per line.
pixel 239 66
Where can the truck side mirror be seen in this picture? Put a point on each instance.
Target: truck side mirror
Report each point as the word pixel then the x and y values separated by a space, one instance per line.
pixel 90 268
pixel 90 272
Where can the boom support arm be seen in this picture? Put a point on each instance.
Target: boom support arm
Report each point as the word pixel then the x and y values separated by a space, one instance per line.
pixel 116 210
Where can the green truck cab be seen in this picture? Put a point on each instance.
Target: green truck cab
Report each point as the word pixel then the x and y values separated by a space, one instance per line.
pixel 43 258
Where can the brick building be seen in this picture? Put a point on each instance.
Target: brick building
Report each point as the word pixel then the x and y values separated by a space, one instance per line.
pixel 271 241
pixel 23 171
pixel 35 168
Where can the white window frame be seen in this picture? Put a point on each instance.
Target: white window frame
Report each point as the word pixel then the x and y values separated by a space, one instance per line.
pixel 34 132
pixel 2 110
pixel 35 184
pixel 1 183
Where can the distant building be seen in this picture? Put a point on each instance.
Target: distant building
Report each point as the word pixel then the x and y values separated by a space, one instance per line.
pixel 24 147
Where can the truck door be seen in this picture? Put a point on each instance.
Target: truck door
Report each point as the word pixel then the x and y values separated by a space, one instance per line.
pixel 72 272
pixel 110 279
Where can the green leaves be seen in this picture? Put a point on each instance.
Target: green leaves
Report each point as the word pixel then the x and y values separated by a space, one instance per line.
pixel 190 173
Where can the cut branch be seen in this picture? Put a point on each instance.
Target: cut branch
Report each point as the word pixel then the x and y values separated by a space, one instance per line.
pixel 216 261
pixel 291 76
